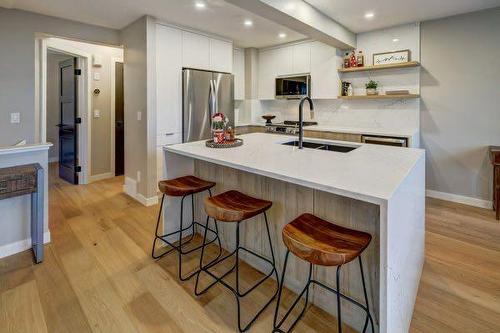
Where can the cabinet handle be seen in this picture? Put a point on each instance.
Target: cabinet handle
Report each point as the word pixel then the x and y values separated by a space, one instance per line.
pixel 169 133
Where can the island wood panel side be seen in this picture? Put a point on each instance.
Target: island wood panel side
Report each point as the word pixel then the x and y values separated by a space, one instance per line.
pixel 240 130
pixel 333 136
pixel 289 201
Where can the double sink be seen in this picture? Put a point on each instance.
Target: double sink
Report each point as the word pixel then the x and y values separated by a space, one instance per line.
pixel 322 146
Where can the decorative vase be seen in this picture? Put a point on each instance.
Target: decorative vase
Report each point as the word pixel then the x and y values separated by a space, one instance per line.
pixel 371 91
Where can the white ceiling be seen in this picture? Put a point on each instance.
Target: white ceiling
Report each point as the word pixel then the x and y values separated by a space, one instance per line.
pixel 393 12
pixel 219 17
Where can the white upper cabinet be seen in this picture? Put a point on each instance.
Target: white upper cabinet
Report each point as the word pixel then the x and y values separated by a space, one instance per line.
pixel 283 60
pixel 239 74
pixel 168 82
pixel 267 74
pixel 195 51
pixel 221 56
pixel 301 58
pixel 324 76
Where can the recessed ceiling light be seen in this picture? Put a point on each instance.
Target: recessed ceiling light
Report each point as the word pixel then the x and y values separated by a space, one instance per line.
pixel 282 35
pixel 200 5
pixel 369 15
pixel 395 40
pixel 248 23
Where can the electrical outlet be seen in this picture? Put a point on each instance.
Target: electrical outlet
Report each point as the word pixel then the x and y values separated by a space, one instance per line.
pixel 97 76
pixel 15 118
pixel 138 176
pixel 97 113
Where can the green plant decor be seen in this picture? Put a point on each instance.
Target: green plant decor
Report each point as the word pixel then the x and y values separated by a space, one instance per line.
pixel 371 85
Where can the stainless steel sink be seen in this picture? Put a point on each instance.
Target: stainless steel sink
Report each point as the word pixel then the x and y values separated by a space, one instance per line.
pixel 321 146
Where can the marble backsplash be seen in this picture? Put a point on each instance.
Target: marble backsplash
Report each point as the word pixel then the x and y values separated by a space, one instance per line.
pixel 368 114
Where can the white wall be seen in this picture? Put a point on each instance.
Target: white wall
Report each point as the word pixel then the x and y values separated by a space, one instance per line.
pixel 17 65
pixel 461 102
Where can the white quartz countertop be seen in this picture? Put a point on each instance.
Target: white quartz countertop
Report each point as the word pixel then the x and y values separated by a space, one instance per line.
pixel 369 173
pixel 401 132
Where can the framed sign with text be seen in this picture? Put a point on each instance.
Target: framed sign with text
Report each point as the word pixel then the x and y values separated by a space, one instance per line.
pixel 388 58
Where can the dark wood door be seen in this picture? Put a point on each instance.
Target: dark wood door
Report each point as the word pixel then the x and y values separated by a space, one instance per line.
pixel 68 145
pixel 119 121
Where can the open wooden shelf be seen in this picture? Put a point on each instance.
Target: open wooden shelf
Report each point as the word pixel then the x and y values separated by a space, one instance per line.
pixel 405 96
pixel 374 68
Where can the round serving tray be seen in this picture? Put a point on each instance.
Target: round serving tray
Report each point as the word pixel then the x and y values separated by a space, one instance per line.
pixel 225 144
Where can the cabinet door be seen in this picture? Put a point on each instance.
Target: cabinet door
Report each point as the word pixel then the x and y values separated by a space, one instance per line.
pixel 239 74
pixel 267 74
pixel 168 80
pixel 325 80
pixel 195 51
pixel 301 58
pixel 283 60
pixel 221 56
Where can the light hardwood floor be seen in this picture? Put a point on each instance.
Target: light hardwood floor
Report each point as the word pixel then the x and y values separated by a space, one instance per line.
pixel 98 275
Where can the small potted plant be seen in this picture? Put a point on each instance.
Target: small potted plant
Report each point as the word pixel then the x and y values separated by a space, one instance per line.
pixel 371 88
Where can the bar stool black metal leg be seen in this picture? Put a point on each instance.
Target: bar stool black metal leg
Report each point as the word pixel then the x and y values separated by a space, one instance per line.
pixel 157 236
pixel 368 315
pixel 271 247
pixel 277 324
pixel 339 305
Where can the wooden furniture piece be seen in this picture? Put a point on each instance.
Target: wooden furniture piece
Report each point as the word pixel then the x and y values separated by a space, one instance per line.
pixel 322 243
pixel 183 187
pixel 495 160
pixel 27 179
pixel 235 207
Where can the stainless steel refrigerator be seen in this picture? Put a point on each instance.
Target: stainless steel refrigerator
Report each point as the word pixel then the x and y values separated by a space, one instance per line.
pixel 205 93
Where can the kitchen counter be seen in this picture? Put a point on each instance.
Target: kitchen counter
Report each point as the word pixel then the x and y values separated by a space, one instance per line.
pixel 376 189
pixel 350 174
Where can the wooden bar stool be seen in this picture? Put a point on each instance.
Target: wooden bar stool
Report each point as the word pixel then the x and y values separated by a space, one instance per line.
pixel 183 187
pixel 235 207
pixel 320 242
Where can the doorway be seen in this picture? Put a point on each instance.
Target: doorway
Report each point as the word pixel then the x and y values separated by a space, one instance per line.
pixel 119 121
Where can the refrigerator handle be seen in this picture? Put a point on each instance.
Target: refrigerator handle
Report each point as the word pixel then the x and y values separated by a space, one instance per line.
pixel 212 100
pixel 216 97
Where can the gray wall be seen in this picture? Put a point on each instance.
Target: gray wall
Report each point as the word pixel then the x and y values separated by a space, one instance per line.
pixel 460 107
pixel 138 73
pixel 17 65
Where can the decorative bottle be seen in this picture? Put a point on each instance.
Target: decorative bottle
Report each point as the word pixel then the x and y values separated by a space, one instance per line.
pixel 346 60
pixel 352 60
pixel 360 59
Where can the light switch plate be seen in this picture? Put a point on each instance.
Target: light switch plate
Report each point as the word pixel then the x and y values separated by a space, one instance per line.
pixel 97 114
pixel 97 76
pixel 139 115
pixel 15 118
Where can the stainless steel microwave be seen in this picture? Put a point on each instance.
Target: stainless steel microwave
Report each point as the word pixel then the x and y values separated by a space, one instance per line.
pixel 293 86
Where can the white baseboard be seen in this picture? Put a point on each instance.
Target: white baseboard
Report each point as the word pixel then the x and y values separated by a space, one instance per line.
pixel 20 246
pixel 101 176
pixel 130 188
pixel 460 199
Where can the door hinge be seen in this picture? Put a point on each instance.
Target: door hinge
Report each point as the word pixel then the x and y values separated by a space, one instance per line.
pixel 78 120
pixel 78 169
pixel 78 72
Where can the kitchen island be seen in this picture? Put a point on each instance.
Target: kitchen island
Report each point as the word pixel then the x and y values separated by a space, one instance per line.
pixel 376 189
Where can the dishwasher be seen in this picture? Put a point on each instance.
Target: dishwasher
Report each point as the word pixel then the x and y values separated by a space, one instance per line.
pixel 385 140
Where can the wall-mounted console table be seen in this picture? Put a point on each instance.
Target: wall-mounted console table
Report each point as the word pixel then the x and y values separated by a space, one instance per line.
pixel 21 180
